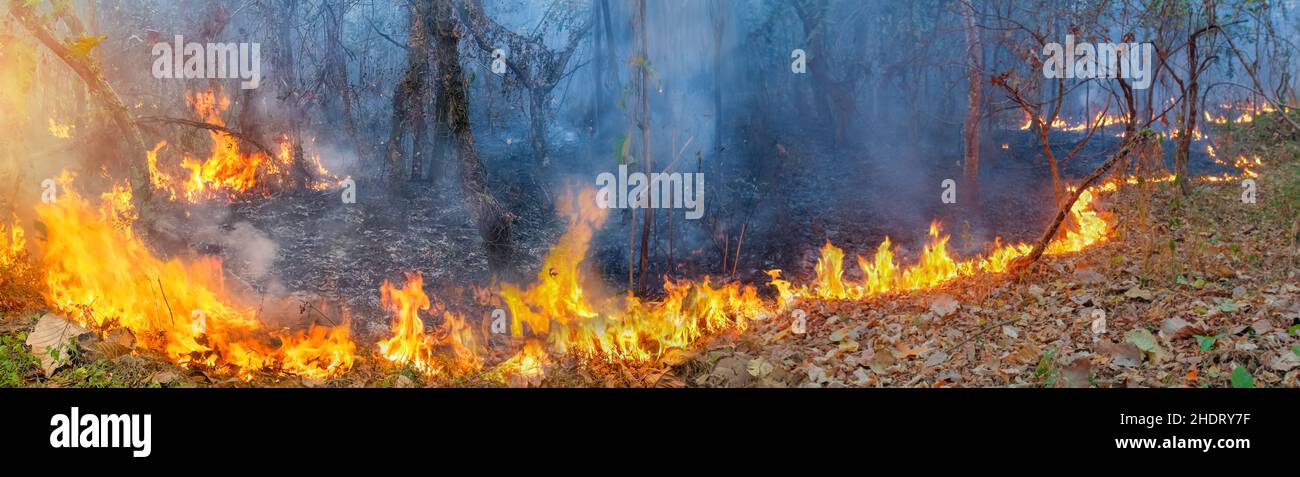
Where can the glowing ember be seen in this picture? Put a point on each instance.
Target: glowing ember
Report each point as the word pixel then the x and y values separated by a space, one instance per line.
pixel 61 131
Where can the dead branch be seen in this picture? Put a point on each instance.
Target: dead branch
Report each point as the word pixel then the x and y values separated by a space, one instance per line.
pixel 208 126
pixel 1020 263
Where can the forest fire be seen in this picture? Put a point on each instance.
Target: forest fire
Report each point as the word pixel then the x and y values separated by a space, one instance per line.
pixel 230 170
pixel 106 278
pixel 410 345
pixel 563 307
pixel 935 266
pixel 12 242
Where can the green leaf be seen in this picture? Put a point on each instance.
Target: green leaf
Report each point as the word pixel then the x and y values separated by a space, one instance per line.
pixel 1296 349
pixel 1291 330
pixel 1206 342
pixel 1181 280
pixel 1142 338
pixel 1228 306
pixel 1242 378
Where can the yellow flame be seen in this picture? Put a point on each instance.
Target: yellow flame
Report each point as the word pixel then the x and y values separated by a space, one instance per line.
pixel 411 345
pixel 106 278
pixel 59 130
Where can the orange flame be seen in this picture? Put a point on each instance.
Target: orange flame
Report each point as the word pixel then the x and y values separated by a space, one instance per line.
pixel 107 278
pixel 935 266
pixel 561 307
pixel 411 345
pixel 228 171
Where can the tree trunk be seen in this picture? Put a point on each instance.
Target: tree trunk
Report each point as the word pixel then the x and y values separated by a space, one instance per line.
pixel 975 89
pixel 537 98
pixel 719 30
pixel 493 220
pixel 408 99
pixel 645 141
pixel 90 72
pixel 1183 154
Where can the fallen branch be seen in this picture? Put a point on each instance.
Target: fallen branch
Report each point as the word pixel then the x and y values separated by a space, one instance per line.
pixel 1126 148
pixel 208 126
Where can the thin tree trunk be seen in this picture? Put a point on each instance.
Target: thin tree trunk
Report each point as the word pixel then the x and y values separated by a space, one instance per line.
pixel 408 98
pixel 645 140
pixel 493 220
pixel 975 89
pixel 1183 154
pixel 90 72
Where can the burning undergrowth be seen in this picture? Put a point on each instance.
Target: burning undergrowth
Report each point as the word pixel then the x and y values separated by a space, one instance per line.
pixel 106 277
pixel 96 271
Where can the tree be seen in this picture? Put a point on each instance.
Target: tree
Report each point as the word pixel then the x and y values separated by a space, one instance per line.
pixel 975 91
pixel 409 98
pixel 537 67
pixel 87 68
pixel 494 222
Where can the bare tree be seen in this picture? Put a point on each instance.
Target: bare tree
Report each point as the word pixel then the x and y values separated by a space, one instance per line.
pixel 537 67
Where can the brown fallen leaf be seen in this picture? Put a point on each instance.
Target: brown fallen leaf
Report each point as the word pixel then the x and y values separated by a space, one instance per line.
pixel 943 304
pixel 1076 373
pixel 1123 354
pixel 53 331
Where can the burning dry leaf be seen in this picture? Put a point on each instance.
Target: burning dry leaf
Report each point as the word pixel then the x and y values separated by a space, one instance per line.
pixel 53 331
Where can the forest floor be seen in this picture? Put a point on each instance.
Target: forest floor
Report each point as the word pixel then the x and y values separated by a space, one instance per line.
pixel 1202 293
pixel 1188 292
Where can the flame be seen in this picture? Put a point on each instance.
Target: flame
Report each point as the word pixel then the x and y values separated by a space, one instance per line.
pixel 117 208
pixel 411 345
pixel 12 242
pixel 574 318
pixel 61 131
pixel 935 266
pixel 229 170
pixel 528 366
pixel 106 278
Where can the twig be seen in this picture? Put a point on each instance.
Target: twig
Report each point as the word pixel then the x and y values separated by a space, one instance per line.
pixel 976 334
pixel 165 302
pixel 313 308
pixel 208 126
